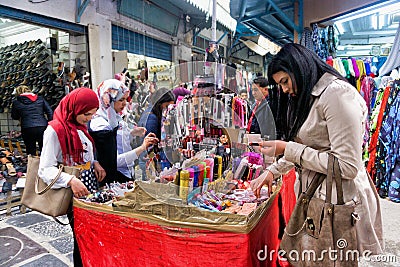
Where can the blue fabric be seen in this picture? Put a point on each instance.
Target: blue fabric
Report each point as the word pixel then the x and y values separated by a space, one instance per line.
pixel 153 125
pixel 381 61
pixel 367 68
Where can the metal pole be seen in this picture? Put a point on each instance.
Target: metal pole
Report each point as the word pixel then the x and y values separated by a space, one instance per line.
pixel 214 22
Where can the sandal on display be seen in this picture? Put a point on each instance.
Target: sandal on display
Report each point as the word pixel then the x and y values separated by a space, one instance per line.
pixel 10 169
pixel 4 160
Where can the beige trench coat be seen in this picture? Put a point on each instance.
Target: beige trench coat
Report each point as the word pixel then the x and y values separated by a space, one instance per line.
pixel 336 124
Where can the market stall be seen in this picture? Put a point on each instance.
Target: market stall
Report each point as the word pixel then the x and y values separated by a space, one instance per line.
pixel 121 238
pixel 193 206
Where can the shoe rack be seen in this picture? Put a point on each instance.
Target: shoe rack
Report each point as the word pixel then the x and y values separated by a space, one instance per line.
pixel 70 60
pixel 22 64
pixel 27 63
pixel 160 73
pixel 158 70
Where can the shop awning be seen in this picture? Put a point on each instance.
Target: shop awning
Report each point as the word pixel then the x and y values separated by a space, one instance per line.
pixel 261 45
pixel 223 11
pixel 166 14
pixel 255 47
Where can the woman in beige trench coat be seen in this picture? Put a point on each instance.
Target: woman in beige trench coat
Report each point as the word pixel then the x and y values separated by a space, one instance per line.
pixel 326 114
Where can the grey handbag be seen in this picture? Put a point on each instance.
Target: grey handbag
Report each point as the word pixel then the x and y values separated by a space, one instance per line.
pixel 41 197
pixel 320 233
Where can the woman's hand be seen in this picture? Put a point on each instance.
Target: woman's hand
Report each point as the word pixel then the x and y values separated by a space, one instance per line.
pixel 265 178
pixel 150 139
pixel 272 148
pixel 99 171
pixel 78 188
pixel 138 131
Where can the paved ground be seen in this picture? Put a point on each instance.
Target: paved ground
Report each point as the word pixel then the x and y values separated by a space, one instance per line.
pixel 391 229
pixel 36 240
pixel 33 239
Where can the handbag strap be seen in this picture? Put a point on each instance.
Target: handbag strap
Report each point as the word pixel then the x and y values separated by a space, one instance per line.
pixel 338 180
pixel 47 188
pixel 315 183
pixel 334 173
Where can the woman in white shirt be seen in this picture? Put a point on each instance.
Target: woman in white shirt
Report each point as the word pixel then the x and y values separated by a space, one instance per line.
pixel 66 140
pixel 112 136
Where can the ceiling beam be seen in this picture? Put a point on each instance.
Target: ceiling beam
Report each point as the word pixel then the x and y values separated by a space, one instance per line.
pixel 284 31
pixel 285 19
pixel 243 6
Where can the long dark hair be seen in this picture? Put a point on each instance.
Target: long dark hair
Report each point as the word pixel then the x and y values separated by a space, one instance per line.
pixel 305 69
pixel 160 97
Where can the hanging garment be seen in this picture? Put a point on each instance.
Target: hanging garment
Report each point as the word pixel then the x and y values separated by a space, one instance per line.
pixel 374 139
pixel 351 79
pixel 351 68
pixel 387 159
pixel 361 68
pixel 355 67
pixel 373 122
pixel 319 42
pixel 239 112
pixel 329 61
pixel 306 39
pixel 330 42
pixel 346 68
pixel 367 87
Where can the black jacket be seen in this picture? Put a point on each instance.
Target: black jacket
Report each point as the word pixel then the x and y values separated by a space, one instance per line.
pixel 263 123
pixel 31 111
pixel 105 142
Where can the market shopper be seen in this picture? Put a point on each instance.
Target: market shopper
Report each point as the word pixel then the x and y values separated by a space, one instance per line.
pixel 152 116
pixel 67 140
pixel 243 94
pixel 325 115
pixel 34 113
pixel 112 136
pixel 181 91
pixel 261 120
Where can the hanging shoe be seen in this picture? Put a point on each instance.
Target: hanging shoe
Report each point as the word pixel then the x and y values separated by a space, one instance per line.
pixel 60 69
pixel 85 82
pixel 72 75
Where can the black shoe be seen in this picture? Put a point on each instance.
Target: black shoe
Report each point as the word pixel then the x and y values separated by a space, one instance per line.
pixel 7 186
pixel 20 168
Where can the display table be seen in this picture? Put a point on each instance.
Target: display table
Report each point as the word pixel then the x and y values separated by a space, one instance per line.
pixel 111 238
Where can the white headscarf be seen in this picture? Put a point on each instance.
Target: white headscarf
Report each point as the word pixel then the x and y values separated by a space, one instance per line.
pixel 110 91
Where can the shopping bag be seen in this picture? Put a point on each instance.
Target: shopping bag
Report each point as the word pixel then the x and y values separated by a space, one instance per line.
pixel 41 197
pixel 320 233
